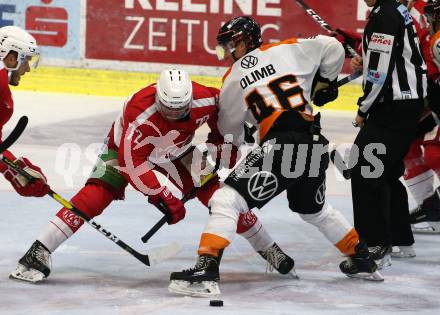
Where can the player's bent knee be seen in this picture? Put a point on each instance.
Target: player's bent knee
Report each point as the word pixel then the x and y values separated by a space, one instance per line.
pixel 228 197
pixel 225 207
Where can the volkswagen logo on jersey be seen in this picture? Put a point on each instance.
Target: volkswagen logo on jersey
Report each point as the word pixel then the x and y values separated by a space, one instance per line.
pixel 320 194
pixel 249 62
pixel 262 185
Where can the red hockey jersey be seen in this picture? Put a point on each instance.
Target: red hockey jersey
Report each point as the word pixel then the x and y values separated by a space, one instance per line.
pixel 6 108
pixel 145 139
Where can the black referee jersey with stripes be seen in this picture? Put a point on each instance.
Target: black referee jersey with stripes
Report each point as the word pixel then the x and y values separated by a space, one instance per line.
pixel 393 65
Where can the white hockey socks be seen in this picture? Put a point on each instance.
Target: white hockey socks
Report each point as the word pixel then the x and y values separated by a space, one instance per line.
pixel 255 233
pixel 54 234
pixel 421 186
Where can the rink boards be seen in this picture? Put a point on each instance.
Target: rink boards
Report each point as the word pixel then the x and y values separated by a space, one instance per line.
pixel 124 83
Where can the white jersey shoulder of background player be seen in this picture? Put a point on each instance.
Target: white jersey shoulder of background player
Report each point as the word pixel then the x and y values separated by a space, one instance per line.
pixel 275 77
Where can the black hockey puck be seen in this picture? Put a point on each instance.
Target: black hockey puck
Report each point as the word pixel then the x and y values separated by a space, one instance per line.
pixel 216 303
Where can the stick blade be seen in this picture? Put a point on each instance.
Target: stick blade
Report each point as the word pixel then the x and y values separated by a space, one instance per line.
pixel 375 276
pixel 157 255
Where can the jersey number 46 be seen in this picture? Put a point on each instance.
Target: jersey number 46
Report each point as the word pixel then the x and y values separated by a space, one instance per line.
pixel 283 93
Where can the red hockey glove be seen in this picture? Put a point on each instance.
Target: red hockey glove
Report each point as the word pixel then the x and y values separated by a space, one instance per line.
pixel 172 207
pixel 352 39
pixel 35 188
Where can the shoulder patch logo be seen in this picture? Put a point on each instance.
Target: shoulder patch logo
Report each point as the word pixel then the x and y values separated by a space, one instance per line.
pixel 404 12
pixel 381 43
pixel 249 62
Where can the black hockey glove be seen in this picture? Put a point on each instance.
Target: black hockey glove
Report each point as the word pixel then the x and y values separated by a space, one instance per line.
pixel 249 131
pixel 324 90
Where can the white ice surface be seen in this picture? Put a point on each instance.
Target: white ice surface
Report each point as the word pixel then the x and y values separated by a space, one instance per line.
pixel 91 275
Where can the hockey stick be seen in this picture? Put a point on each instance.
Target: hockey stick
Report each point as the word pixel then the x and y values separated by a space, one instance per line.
pixel 14 135
pixel 335 157
pixel 146 259
pixel 162 207
pixel 324 25
pixel 349 78
pixel 339 163
pixel 330 30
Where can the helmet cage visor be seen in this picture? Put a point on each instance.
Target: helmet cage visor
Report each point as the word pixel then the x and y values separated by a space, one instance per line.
pixel 33 60
pixel 222 48
pixel 172 113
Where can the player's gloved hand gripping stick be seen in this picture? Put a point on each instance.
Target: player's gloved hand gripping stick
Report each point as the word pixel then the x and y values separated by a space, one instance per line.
pixel 329 29
pixel 162 207
pixel 147 259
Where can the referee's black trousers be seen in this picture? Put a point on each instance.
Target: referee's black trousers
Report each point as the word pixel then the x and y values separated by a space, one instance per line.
pixel 380 200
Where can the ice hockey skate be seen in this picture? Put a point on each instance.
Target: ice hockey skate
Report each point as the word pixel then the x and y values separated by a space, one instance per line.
pixel 34 266
pixel 426 217
pixel 199 281
pixel 361 265
pixel 403 252
pixel 381 255
pixel 277 259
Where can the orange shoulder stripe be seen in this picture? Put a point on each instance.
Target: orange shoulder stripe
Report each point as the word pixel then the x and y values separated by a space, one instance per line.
pixel 226 74
pixel 292 40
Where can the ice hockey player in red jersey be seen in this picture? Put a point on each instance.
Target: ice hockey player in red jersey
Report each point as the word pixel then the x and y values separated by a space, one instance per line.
pixel 422 163
pixel 153 133
pixel 18 54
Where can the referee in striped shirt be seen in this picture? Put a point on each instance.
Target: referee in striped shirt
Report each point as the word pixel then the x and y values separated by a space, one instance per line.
pixel 394 85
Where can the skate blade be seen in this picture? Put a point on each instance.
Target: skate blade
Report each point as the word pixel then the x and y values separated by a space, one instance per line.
pixel 27 275
pixel 375 276
pixel 384 262
pixel 402 254
pixel 293 274
pixel 209 289
pixel 160 254
pixel 426 228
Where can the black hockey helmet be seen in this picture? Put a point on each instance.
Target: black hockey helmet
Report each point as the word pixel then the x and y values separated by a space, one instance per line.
pixel 242 28
pixel 432 11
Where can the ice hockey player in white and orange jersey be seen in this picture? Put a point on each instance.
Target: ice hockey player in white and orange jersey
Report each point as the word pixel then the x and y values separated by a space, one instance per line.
pixel 272 87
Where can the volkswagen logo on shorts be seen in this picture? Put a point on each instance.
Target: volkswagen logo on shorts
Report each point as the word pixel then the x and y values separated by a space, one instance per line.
pixel 262 185
pixel 320 194
pixel 249 62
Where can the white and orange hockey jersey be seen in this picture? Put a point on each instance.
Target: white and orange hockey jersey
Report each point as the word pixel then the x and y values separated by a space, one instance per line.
pixel 274 78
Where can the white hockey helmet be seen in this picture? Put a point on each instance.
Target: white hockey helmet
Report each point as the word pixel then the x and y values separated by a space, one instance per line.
pixel 13 38
pixel 174 94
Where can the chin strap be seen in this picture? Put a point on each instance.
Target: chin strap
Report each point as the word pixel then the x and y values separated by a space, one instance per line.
pixel 233 56
pixel 10 73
